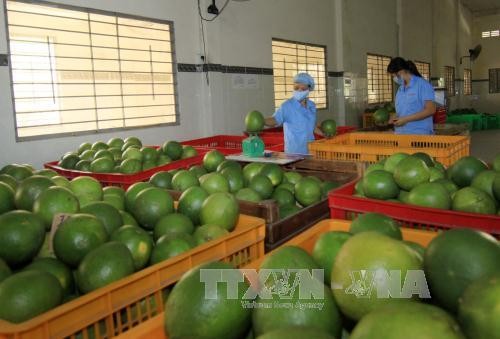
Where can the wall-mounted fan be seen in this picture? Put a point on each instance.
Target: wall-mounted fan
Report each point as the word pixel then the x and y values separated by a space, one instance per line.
pixel 473 54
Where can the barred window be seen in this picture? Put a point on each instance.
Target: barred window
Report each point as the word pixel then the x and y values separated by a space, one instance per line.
pixel 424 68
pixel 467 81
pixel 290 58
pixel 78 70
pixel 494 80
pixel 379 81
pixel 449 80
pixel 491 34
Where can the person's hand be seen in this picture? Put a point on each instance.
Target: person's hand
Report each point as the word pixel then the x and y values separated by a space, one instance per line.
pixel 398 122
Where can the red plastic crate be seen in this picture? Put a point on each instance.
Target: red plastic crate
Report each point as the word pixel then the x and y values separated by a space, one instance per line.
pixel 233 143
pixel 343 205
pixel 126 180
pixel 440 115
pixel 276 132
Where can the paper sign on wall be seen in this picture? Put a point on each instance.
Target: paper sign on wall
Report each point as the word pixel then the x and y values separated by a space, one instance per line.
pixel 245 81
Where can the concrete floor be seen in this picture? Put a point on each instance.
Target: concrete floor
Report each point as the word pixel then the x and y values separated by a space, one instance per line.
pixel 485 144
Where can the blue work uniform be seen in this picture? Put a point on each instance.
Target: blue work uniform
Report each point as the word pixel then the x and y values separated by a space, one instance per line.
pixel 298 123
pixel 410 100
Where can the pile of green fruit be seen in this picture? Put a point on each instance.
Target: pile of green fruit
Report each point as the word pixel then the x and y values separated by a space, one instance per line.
pixel 108 234
pixel 127 156
pixel 253 182
pixel 466 186
pixel 456 294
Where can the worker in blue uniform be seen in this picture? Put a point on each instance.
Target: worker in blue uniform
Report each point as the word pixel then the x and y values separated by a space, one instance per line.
pixel 297 115
pixel 415 105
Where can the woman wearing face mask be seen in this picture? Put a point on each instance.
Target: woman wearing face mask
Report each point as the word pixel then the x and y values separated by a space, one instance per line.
pixel 414 99
pixel 298 116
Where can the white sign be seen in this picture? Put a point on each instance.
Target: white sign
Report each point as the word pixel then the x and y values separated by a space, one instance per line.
pixel 245 81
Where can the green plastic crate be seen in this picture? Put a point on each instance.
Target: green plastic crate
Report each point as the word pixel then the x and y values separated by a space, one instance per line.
pixel 475 121
pixel 491 121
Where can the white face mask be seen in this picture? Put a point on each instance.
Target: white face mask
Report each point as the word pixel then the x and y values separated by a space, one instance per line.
pixel 300 95
pixel 397 79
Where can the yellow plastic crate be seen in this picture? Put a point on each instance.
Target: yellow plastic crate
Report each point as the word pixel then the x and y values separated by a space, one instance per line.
pixel 373 147
pixel 122 305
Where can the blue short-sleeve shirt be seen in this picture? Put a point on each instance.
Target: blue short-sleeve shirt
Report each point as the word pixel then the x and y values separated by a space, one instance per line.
pixel 410 100
pixel 298 123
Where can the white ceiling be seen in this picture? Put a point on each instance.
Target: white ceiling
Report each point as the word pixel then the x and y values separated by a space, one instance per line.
pixel 483 7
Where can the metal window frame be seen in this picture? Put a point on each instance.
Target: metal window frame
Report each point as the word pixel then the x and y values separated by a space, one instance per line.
pixel 327 101
pixel 494 80
pixel 392 87
pixel 467 81
pixel 428 64
pixel 449 80
pixel 101 12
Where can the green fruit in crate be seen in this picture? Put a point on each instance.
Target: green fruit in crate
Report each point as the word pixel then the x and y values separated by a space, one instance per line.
pixel 29 189
pixel 115 201
pixel 25 295
pixel 478 311
pixel 273 172
pixel 173 149
pixel 381 117
pixel 192 315
pixel 448 184
pixel 132 153
pixel 130 166
pixel 376 222
pixel 228 163
pixel 198 170
pixel 406 320
pixel 132 192
pixel 86 189
pixel 138 241
pixel 287 186
pixel 99 145
pixel 312 177
pixel 9 180
pixel 411 172
pixel 220 209
pixel 473 200
pixel 212 160
pixel 173 223
pixel 46 173
pixel 214 182
pixel 116 152
pixel 183 180
pixel 294 332
pixel 283 197
pixel 146 165
pixel 6 198
pixel 358 188
pixel 308 191
pixel 162 180
pixel 128 145
pixel 53 201
pixel 254 122
pixel 77 236
pixel 392 162
pixel 128 219
pixel 69 161
pixel 58 269
pixel 248 194
pixel 113 190
pixel 380 185
pixel 484 181
pixel 435 174
pixel 449 271
pixel 88 155
pixel 234 177
pixel 251 170
pixel 167 248
pixel 83 165
pixel 496 187
pixel 375 167
pixel 288 210
pixel 289 257
pixel 465 170
pixel 425 157
pixel 416 247
pixel 104 154
pixel 496 163
pixel 102 165
pixel 188 152
pixel 292 177
pixel 190 203
pixel 106 213
pixel 60 181
pixel 149 154
pixel 163 159
pixel 21 236
pixel 329 127
pixel 373 252
pixel 151 205
pixel 328 186
pixel 134 141
pixel 262 185
pixel 326 249
pixel 432 195
pixel 208 233
pixel 4 270
pixel 104 265
pixel 116 142
pixel 84 147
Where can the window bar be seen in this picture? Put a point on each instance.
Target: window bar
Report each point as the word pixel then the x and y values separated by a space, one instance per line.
pixel 120 69
pixel 152 75
pixel 93 74
pixel 51 71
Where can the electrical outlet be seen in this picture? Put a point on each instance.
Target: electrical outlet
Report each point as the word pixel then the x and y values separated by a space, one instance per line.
pixel 4 60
